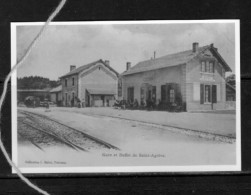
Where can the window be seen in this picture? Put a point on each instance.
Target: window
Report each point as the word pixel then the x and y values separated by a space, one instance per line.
pixel 73 81
pixel 211 67
pixel 207 66
pixel 66 82
pixel 142 94
pixel 223 73
pixel 207 94
pixel 203 66
pixel 130 94
pixel 172 96
pixel 120 87
pixel 73 99
pixel 66 99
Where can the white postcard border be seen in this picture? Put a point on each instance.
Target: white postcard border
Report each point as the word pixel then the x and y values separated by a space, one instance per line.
pixel 127 169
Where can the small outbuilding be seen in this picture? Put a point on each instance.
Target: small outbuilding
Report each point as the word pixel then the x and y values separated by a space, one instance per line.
pixel 42 94
pixel 56 95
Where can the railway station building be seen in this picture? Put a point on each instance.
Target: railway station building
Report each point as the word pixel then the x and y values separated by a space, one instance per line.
pixel 193 79
pixel 93 84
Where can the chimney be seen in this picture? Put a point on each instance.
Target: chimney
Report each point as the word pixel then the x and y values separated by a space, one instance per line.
pixel 195 47
pixel 128 65
pixel 212 45
pixel 72 67
pixel 107 62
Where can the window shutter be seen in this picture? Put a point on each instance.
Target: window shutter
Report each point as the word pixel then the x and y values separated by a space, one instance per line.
pixel 201 94
pixel 168 92
pixel 132 94
pixel 128 94
pixel 163 93
pixel 214 93
pixel 210 94
pixel 177 92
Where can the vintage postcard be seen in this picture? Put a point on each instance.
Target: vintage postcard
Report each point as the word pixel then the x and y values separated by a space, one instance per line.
pixel 131 96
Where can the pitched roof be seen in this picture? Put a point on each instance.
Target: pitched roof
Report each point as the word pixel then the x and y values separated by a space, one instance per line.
pixel 172 60
pixel 87 66
pixel 56 89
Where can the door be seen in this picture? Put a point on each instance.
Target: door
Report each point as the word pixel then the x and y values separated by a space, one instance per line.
pixel 163 93
pixel 66 101
pixel 154 93
pixel 103 99
pixel 130 94
pixel 149 94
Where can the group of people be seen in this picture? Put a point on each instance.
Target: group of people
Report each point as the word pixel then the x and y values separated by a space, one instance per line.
pixel 149 104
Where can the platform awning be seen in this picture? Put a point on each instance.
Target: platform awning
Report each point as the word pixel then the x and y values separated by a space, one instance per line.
pixel 56 89
pixel 100 92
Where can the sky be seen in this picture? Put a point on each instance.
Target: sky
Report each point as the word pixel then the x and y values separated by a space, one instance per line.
pixel 65 45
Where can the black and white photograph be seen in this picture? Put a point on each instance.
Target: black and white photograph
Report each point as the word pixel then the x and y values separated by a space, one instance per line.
pixel 131 96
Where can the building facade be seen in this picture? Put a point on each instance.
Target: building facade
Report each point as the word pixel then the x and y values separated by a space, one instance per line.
pixel 93 84
pixel 56 95
pixel 192 79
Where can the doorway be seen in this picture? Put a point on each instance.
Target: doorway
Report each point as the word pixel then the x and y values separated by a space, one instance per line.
pixel 103 99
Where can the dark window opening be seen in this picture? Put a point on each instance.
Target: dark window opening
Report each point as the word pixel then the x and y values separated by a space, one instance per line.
pixel 163 93
pixel 66 99
pixel 130 94
pixel 73 99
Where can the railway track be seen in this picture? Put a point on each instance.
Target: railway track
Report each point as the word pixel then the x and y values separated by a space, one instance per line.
pixel 58 133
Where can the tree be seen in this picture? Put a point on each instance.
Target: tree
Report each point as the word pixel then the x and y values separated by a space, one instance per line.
pixel 230 80
pixel 36 82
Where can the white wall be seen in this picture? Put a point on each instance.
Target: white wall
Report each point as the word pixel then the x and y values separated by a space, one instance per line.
pixel 98 77
pixel 155 77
